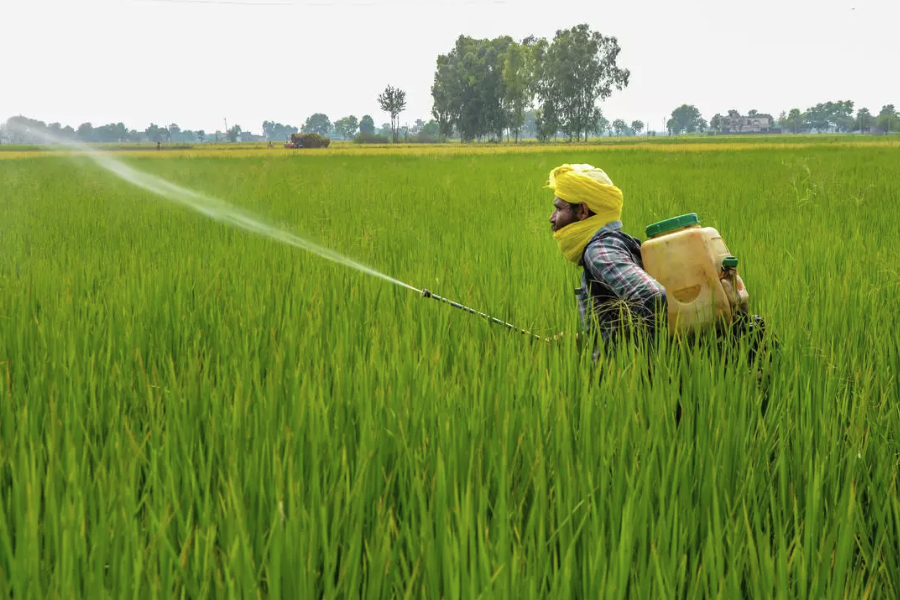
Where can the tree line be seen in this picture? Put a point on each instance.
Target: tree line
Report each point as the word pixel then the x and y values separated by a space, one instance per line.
pixel 825 117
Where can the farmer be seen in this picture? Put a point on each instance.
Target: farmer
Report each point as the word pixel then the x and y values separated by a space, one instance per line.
pixel 616 296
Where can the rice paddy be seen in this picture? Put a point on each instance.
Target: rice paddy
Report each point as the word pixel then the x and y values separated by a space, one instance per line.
pixel 189 410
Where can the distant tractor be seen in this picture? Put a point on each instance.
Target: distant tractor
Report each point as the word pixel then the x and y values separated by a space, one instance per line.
pixel 307 140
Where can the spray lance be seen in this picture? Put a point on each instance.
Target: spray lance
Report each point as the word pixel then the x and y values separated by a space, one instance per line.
pixel 428 294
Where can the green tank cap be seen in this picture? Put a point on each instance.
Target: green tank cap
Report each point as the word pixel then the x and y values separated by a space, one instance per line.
pixel 671 224
pixel 730 262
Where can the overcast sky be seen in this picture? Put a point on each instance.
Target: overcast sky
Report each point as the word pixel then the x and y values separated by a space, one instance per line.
pixel 197 62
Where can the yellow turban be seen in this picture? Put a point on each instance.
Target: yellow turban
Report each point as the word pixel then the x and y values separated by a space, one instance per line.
pixel 584 184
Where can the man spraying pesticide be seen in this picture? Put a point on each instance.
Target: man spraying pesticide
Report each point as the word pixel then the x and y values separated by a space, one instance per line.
pixel 682 279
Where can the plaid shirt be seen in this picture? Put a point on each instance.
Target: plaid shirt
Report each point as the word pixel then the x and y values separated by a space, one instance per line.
pixel 615 290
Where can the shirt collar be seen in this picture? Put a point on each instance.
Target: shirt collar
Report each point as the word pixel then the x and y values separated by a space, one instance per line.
pixel 609 227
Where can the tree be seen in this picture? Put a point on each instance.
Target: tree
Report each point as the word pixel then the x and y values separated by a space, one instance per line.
pixel 716 122
pixel 517 83
pixel 154 133
pixel 687 118
pixel 367 125
pixel 85 132
pixel 864 120
pixel 888 120
pixel 174 132
pixel 620 126
pixel 601 124
pixel 346 127
pixel 638 126
pixel 277 131
pixel 233 133
pixel 469 90
pixel 795 120
pixel 317 123
pixel 577 69
pixel 393 100
pixel 830 116
pixel 431 129
pixel 673 126
pixel 201 135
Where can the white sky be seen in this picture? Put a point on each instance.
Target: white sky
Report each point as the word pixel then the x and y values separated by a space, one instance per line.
pixel 197 62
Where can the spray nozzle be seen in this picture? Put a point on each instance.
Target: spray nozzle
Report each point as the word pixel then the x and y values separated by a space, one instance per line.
pixel 426 294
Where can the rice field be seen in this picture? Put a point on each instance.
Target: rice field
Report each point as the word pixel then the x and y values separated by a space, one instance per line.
pixel 188 410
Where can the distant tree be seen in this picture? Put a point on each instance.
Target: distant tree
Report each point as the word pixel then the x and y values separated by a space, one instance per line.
pixel 687 118
pixel 386 130
pixel 346 127
pixel 795 120
pixel 111 132
pixel 620 126
pixel 201 135
pixel 154 133
pixel 601 124
pixel 85 132
pixel 518 68
pixel 469 92
pixel 734 113
pixel 431 129
pixel 367 125
pixel 393 101
pixel 233 133
pixel 888 120
pixel 637 126
pixel 830 116
pixel 864 120
pixel 277 131
pixel 673 126
pixel 716 122
pixel 752 113
pixel 317 123
pixel 174 132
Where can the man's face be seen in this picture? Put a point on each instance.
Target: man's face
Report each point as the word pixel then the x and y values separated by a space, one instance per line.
pixel 566 214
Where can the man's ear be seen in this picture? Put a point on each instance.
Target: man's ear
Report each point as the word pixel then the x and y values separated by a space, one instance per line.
pixel 585 212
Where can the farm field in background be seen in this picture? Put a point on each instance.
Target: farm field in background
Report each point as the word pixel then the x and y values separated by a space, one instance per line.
pixel 190 410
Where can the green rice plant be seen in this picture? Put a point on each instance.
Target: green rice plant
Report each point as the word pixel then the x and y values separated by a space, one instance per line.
pixel 189 410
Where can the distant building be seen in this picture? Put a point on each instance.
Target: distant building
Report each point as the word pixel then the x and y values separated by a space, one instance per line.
pixel 246 136
pixel 737 124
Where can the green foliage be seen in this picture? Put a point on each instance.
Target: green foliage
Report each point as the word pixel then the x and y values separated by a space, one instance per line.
pixel 277 131
pixel 310 140
pixel 346 127
pixel 578 69
pixel 234 132
pixel 830 116
pixel 191 411
pixel 686 118
pixel 393 101
pixel 483 87
pixel 317 123
pixel 371 138
pixel 888 119
pixel 367 124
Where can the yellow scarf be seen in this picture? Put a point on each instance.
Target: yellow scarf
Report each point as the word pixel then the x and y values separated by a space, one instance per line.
pixel 584 184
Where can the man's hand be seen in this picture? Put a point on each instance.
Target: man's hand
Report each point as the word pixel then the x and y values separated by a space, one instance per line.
pixel 560 335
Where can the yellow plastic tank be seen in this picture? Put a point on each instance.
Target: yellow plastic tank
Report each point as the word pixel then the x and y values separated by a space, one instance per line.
pixel 698 272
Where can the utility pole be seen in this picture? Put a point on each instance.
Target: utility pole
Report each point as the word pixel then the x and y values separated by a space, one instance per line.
pixel 226 128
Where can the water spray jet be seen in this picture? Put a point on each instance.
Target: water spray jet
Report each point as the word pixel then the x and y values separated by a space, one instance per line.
pixel 221 211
